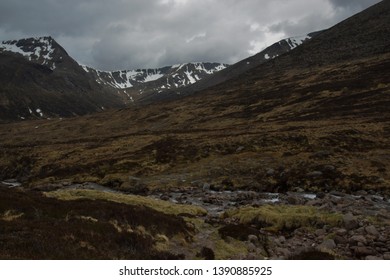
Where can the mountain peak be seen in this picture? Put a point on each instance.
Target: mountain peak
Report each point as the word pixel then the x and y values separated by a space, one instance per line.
pixel 43 50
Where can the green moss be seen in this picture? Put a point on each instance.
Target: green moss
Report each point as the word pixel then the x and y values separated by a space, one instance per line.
pixel 159 205
pixel 283 217
pixel 227 250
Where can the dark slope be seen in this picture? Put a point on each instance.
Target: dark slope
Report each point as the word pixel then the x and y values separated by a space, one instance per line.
pixel 50 84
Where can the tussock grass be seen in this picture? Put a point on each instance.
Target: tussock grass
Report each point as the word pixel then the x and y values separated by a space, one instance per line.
pixel 83 229
pixel 11 215
pixel 283 217
pixel 158 205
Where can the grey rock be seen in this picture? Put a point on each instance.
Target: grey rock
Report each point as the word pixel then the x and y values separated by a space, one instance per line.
pixel 358 239
pixel 350 222
pixel 314 174
pixel 321 195
pixel 341 231
pixel 283 252
pixel 382 239
pixel 240 149
pixel 364 251
pixel 253 239
pixel 320 232
pixel 372 230
pixel 338 194
pixel 340 240
pixel 384 214
pixel 164 197
pixel 299 190
pixel 251 247
pixel 206 187
pixel 293 200
pixel 270 171
pixel 250 256
pixel 328 244
pixel 282 239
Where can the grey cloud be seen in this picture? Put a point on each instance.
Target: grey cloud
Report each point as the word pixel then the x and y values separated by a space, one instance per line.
pixel 127 34
pixel 353 3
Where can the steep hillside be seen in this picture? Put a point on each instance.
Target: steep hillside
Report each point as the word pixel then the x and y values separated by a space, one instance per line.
pixel 38 79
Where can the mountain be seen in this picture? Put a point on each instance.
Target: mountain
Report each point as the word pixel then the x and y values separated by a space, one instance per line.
pixel 234 70
pixel 154 85
pixel 144 82
pixel 78 92
pixel 38 79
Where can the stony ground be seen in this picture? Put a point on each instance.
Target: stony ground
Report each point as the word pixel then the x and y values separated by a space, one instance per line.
pixel 234 225
pixel 362 233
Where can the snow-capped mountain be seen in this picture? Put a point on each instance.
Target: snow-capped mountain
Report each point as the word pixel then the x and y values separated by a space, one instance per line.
pixel 43 50
pixel 147 81
pixel 39 79
pixel 175 76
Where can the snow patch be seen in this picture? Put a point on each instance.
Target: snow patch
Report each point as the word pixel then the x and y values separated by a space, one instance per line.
pixel 40 49
pixel 85 68
pixel 39 111
pixel 294 42
pixel 153 77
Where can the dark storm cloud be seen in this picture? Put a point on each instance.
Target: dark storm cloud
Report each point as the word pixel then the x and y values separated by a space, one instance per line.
pixel 126 34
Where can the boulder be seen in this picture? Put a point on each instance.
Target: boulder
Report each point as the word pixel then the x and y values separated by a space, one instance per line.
pixel 364 251
pixel 253 239
pixel 328 244
pixel 350 221
pixel 314 174
pixel 340 240
pixel 357 239
pixel 320 232
pixel 372 230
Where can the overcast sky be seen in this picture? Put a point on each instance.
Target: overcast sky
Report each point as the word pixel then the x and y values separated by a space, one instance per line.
pixel 129 34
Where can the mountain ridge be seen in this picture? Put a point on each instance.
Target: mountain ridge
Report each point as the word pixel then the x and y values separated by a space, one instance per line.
pixel 279 48
pixel 121 87
pixel 134 83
